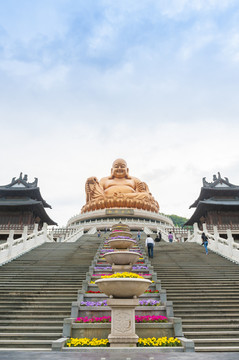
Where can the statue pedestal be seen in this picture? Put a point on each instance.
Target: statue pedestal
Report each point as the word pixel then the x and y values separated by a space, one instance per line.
pixel 123 322
pixel 121 268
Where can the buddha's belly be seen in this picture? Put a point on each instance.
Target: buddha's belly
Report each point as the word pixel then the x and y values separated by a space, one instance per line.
pixel 119 189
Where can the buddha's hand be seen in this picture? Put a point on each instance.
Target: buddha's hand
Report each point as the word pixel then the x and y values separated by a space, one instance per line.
pixel 92 180
pixel 142 187
pixel 118 194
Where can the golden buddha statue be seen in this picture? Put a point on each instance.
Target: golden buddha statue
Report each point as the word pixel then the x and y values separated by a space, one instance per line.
pixel 118 190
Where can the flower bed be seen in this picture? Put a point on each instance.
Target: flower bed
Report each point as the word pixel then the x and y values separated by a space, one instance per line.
pixel 94 303
pixel 138 319
pixel 150 319
pixel 87 342
pixel 164 341
pixel 151 291
pixel 94 319
pixel 148 302
pixel 122 275
pixel 142 342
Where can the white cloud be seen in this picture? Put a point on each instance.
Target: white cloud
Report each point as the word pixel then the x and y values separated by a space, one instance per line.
pixel 116 84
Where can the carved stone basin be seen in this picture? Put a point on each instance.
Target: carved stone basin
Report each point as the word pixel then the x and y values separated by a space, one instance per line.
pixel 121 243
pixel 122 257
pixel 123 288
pixel 123 227
pixel 116 234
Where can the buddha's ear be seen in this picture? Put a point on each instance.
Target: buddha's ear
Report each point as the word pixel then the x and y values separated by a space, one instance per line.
pixel 111 177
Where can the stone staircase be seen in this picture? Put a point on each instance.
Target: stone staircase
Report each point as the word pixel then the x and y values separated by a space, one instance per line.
pixel 205 293
pixel 37 289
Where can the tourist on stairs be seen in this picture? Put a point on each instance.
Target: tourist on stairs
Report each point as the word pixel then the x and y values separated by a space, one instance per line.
pixel 149 242
pixel 205 242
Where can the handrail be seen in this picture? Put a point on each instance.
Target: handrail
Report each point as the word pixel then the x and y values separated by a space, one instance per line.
pixel 227 248
pixel 14 248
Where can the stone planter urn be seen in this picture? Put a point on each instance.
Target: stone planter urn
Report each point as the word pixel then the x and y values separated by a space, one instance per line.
pixel 122 260
pixel 122 233
pixel 121 243
pixel 123 298
pixel 122 257
pixel 123 288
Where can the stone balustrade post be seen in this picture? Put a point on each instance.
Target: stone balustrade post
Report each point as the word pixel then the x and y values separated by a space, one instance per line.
pixel 80 295
pixel 10 243
pixel 216 236
pixel 35 230
pixel 163 296
pixel 196 234
pixel 84 285
pixel 24 237
pixel 204 228
pixel 230 242
pixel 44 228
pixel 169 309
pixel 158 285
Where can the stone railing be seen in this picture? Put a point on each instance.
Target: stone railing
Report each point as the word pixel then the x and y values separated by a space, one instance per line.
pixel 92 231
pixel 15 227
pixel 227 248
pixel 75 235
pixel 13 248
pixel 66 234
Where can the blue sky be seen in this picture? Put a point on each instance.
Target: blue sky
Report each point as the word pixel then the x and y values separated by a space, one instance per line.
pixel 85 82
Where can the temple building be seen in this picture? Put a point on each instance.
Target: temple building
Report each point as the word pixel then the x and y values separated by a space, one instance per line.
pixel 21 204
pixel 217 204
pixel 117 197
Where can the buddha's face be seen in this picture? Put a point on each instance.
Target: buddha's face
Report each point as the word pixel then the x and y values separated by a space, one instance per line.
pixel 119 169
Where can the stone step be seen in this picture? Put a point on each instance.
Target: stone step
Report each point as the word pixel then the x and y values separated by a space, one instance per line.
pixel 211 321
pixel 211 334
pixel 217 349
pixel 30 329
pixel 30 336
pixel 196 316
pixel 206 302
pixel 30 344
pixel 205 294
pixel 214 327
pixel 204 307
pixel 34 311
pixel 39 305
pixel 55 300
pixel 31 323
pixel 215 342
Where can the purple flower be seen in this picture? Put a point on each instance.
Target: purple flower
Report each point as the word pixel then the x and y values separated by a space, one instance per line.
pixel 94 303
pixel 149 302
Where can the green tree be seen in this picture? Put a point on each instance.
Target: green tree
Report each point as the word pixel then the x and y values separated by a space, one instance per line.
pixel 178 220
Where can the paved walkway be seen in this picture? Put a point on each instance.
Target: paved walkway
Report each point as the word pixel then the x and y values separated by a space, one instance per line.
pixel 119 355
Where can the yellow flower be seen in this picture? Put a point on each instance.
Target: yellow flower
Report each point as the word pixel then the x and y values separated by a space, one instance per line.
pixel 122 275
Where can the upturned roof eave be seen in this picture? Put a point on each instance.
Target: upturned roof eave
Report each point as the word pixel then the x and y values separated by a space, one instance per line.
pixel 27 191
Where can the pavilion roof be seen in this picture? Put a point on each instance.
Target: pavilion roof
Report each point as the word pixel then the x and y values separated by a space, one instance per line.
pixel 25 205
pixel 212 205
pixel 22 188
pixel 218 188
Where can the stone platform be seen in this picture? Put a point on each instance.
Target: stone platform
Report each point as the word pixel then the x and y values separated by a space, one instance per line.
pixel 136 219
